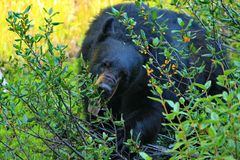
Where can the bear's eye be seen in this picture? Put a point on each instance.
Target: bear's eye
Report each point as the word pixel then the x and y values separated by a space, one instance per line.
pixel 106 64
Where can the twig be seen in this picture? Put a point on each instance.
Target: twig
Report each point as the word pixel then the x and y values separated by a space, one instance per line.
pixel 229 14
pixel 154 150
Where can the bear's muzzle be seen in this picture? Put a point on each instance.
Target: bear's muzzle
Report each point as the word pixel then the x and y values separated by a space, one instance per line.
pixel 107 84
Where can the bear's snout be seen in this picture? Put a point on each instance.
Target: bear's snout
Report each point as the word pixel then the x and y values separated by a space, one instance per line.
pixel 107 84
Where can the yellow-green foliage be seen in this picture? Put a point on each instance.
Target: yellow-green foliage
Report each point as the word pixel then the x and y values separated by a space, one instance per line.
pixel 75 14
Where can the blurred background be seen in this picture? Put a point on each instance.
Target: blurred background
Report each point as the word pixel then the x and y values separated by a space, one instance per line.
pixel 75 15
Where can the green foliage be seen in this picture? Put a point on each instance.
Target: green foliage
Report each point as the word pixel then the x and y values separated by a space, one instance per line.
pixel 42 105
pixel 207 126
pixel 44 102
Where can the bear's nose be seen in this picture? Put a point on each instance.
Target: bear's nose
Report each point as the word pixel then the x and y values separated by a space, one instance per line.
pixel 107 90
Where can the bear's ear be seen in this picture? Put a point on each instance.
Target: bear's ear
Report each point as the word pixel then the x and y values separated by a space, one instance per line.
pixel 107 29
pixel 108 26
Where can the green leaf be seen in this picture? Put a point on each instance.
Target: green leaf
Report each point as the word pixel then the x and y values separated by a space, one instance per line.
pixel 45 10
pixel 159 90
pixel 201 86
pixel 156 42
pixel 145 156
pixel 170 116
pixel 115 11
pixel 175 106
pixel 212 131
pixel 180 135
pixel 189 23
pixel 174 2
pixel 54 14
pixel 207 55
pixel 50 11
pixel 204 1
pixel 182 100
pixel 56 23
pixel 220 140
pixel 236 63
pixel 25 118
pixel 143 35
pixel 38 37
pixel 177 145
pixel 104 135
pixel 27 9
pixel 225 95
pixel 229 71
pixel 214 116
pixel 154 14
pixel 180 22
pixel 155 99
pixel 170 103
pixel 167 53
pixel 203 125
pixel 208 84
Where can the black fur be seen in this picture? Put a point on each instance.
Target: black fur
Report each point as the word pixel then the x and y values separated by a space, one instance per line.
pixel 113 55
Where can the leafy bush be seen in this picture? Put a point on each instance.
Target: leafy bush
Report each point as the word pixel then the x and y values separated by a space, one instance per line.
pixel 42 105
pixel 42 109
pixel 207 126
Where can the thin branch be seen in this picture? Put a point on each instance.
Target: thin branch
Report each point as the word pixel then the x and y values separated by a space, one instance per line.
pixel 230 15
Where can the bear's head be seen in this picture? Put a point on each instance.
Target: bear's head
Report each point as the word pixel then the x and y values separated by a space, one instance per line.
pixel 116 62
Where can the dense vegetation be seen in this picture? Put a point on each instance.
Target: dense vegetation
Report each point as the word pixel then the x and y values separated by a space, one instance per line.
pixel 41 107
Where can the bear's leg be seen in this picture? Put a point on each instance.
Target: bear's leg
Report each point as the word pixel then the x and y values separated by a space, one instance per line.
pixel 145 122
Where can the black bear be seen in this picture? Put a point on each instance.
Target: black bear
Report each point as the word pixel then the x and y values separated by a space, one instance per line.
pixel 114 57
